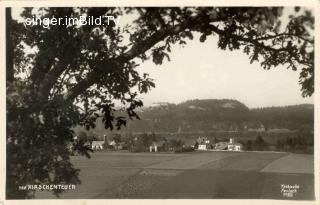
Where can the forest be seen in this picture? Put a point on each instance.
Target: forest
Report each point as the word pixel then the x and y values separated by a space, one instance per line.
pixel 213 115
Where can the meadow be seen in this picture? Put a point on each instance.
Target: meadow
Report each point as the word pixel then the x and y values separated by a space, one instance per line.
pixel 208 175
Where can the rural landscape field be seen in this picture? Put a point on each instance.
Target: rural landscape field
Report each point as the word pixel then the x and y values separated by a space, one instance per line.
pixel 207 175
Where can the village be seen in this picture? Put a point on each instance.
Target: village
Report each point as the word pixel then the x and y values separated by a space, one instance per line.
pixel 149 143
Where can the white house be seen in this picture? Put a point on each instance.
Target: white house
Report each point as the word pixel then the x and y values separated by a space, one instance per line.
pixel 202 147
pixel 97 145
pixel 230 146
pixel 203 143
pixel 156 146
pixel 234 146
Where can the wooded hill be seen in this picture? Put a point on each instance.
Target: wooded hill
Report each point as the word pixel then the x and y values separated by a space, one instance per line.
pixel 214 115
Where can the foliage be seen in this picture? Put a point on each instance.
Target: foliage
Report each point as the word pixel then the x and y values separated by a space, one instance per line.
pixel 175 145
pixel 117 138
pixel 196 145
pixel 188 149
pixel 141 143
pixel 82 136
pixel 220 115
pixel 259 143
pixel 302 143
pixel 62 76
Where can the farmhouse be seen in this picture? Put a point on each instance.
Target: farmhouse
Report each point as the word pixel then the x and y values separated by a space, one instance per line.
pixel 234 146
pixel 156 146
pixel 203 143
pixel 203 146
pixel 231 146
pixel 221 146
pixel 97 145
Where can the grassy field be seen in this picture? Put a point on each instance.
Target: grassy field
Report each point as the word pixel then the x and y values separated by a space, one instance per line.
pixel 210 175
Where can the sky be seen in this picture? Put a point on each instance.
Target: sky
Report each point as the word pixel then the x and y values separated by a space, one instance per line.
pixel 202 71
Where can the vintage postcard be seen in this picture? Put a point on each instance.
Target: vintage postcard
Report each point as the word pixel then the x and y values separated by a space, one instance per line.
pixel 207 101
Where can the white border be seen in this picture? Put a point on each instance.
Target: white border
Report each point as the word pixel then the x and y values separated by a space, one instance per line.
pixel 306 3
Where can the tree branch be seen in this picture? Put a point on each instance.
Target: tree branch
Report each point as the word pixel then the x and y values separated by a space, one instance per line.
pixel 116 63
pixel 50 77
pixel 284 34
pixel 258 44
pixel 141 47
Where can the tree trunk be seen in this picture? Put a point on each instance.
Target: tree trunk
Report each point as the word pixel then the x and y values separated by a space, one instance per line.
pixel 9 47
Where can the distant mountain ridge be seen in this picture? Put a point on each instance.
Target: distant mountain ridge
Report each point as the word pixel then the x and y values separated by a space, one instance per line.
pixel 222 115
pixel 211 115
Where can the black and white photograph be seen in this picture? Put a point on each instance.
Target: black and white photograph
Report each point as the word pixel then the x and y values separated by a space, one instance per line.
pixel 160 102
